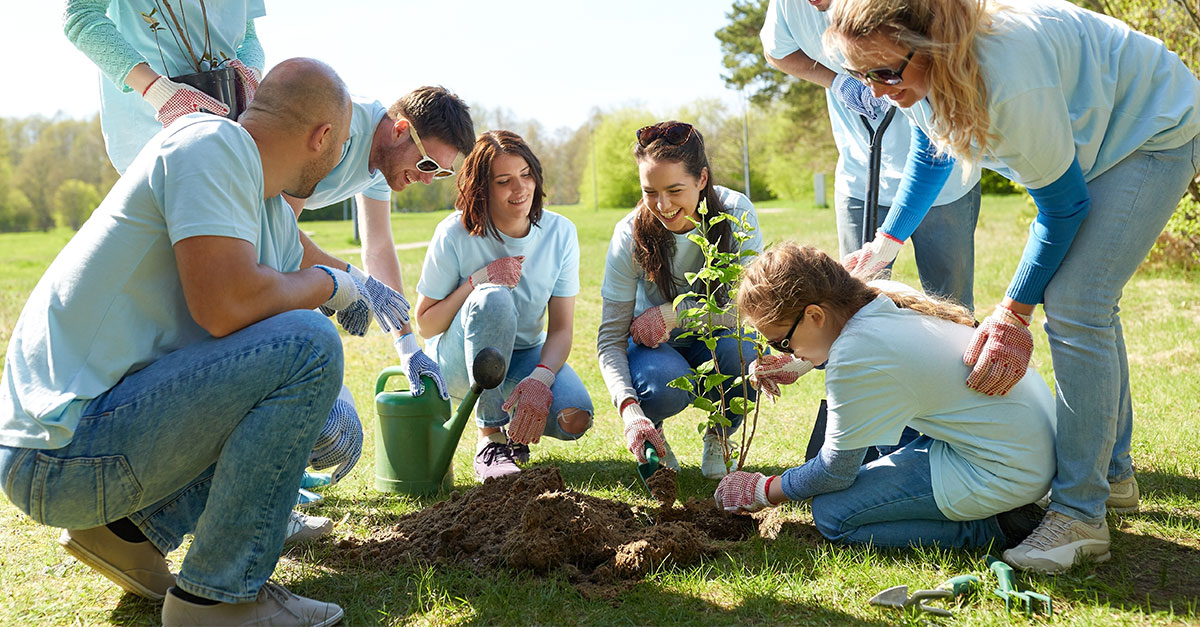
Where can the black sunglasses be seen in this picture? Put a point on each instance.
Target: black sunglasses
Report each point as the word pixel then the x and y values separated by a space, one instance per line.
pixel 883 75
pixel 676 133
pixel 784 344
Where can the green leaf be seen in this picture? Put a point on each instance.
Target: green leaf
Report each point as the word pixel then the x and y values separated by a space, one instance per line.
pixel 741 406
pixel 713 380
pixel 698 239
pixel 717 219
pixel 703 404
pixel 721 421
pixel 711 343
pixel 707 366
pixel 682 383
pixel 690 277
pixel 702 427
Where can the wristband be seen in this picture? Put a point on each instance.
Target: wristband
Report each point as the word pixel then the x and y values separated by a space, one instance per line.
pixel 335 285
pixel 626 403
pixel 767 489
pixel 151 85
pixel 1025 319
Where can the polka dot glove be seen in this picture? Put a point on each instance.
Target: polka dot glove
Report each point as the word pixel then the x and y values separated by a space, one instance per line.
pixel 745 491
pixel 247 78
pixel 768 372
pixel 639 430
pixel 341 439
pixel 353 309
pixel 873 258
pixel 389 307
pixel 858 97
pixel 999 352
pixel 654 325
pixel 531 399
pixel 417 363
pixel 504 271
pixel 173 100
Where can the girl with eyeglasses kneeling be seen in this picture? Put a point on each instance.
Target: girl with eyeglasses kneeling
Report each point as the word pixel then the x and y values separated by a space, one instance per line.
pixel 648 257
pixel 501 271
pixel 893 359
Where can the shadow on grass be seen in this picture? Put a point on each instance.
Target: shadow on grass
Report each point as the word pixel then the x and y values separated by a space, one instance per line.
pixel 1152 482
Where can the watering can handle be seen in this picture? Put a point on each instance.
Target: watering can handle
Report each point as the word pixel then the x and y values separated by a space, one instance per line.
pixel 388 373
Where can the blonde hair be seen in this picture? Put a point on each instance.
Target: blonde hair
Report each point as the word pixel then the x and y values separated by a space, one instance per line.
pixel 944 30
pixel 789 277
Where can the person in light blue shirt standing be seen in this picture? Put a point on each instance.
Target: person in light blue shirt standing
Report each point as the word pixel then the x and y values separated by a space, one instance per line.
pixel 503 272
pixel 893 360
pixel 944 246
pixel 1101 124
pixel 168 375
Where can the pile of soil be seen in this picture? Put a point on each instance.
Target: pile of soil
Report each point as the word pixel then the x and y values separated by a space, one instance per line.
pixel 662 486
pixel 531 521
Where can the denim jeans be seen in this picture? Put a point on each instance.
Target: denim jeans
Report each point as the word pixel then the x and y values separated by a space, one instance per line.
pixel 211 439
pixel 1131 204
pixel 944 243
pixel 891 504
pixel 653 369
pixel 489 318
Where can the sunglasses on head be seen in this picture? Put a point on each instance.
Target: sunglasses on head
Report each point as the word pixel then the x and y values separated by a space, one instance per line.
pixel 883 75
pixel 676 133
pixel 427 164
pixel 784 344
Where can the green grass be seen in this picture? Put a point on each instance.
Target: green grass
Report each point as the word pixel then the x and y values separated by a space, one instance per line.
pixel 1154 576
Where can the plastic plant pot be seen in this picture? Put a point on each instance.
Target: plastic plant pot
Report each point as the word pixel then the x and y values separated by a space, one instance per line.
pixel 221 84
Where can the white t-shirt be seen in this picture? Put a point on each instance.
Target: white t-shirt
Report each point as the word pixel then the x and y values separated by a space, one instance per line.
pixel 551 267
pixel 352 175
pixel 111 302
pixel 892 367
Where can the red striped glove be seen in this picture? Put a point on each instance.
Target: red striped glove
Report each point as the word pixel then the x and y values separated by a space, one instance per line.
pixel 654 325
pixel 174 100
pixel 745 491
pixel 999 352
pixel 532 399
pixel 639 430
pixel 871 259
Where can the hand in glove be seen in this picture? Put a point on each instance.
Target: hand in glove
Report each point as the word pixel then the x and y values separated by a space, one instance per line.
pixel 532 399
pixel 247 78
pixel 389 307
pixel 769 372
pixel 871 259
pixel 653 326
pixel 746 491
pixel 417 363
pixel 504 271
pixel 639 430
pixel 173 100
pixel 999 352
pixel 858 97
pixel 341 439
pixel 352 307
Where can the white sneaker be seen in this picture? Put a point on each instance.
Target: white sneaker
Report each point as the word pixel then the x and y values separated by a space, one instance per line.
pixel 712 457
pixel 1059 543
pixel 302 528
pixel 274 606
pixel 667 458
pixel 1123 496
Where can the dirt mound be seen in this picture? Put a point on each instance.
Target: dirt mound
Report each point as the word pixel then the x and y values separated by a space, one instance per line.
pixel 662 486
pixel 531 521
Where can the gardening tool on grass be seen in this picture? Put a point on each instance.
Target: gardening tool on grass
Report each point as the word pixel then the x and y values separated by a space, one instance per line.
pixel 1008 590
pixel 415 437
pixel 897 596
pixel 651 466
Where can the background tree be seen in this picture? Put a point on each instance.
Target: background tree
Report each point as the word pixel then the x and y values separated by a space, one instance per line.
pixel 74 202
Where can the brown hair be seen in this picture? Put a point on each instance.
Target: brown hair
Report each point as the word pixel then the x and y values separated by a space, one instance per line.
pixel 789 277
pixel 653 244
pixel 476 174
pixel 438 114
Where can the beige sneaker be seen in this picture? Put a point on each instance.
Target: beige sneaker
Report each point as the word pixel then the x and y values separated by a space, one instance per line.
pixel 1123 496
pixel 1059 543
pixel 712 458
pixel 667 458
pixel 274 606
pixel 137 567
pixel 302 528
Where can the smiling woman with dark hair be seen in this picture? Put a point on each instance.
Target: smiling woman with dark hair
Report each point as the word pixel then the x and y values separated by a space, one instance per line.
pixel 503 272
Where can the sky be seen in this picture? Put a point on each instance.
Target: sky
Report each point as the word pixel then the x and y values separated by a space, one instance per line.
pixel 549 60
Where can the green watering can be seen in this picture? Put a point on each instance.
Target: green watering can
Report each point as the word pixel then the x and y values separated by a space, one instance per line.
pixel 415 437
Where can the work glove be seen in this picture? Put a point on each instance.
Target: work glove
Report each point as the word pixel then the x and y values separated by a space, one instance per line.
pixel 389 307
pixel 653 326
pixel 745 491
pixel 871 259
pixel 639 430
pixel 858 97
pixel 532 399
pixel 352 307
pixel 173 100
pixel 999 352
pixel 504 271
pixel 247 80
pixel 417 363
pixel 768 372
pixel 341 439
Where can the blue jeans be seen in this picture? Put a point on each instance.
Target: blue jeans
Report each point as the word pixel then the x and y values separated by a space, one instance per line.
pixel 891 504
pixel 211 439
pixel 944 243
pixel 1131 204
pixel 489 318
pixel 653 369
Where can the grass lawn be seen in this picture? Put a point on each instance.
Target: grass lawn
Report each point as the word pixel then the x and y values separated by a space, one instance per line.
pixel 1154 576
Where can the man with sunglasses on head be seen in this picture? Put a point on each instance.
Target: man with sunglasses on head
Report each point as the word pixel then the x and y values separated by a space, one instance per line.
pixel 944 245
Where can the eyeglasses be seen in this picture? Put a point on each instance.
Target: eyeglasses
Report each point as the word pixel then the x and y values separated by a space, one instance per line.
pixel 676 133
pixel 427 164
pixel 883 75
pixel 784 344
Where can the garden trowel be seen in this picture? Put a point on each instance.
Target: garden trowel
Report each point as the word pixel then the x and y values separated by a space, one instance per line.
pixel 651 466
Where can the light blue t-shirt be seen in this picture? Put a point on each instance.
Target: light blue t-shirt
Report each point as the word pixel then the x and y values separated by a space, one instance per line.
pixel 892 367
pixel 125 118
pixel 352 175
pixel 793 25
pixel 626 281
pixel 551 267
pixel 1065 83
pixel 111 302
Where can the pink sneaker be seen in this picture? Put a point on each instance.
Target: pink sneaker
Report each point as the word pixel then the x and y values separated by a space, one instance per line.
pixel 495 460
